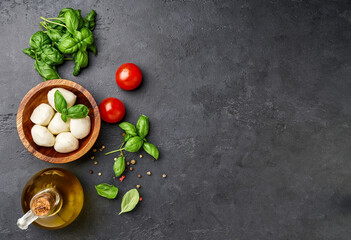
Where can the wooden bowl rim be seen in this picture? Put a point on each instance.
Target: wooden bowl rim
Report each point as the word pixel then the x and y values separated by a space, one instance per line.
pixel 55 83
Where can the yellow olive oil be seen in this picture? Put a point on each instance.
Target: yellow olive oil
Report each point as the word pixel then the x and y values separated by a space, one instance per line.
pixel 68 187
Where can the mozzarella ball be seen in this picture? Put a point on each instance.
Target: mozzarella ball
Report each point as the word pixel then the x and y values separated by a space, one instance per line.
pixel 66 142
pixel 42 136
pixel 80 128
pixel 42 114
pixel 69 97
pixel 57 125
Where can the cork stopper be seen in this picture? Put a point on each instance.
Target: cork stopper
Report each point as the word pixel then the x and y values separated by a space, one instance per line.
pixel 42 205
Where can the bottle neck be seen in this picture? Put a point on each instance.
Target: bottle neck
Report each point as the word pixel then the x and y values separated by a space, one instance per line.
pixel 45 203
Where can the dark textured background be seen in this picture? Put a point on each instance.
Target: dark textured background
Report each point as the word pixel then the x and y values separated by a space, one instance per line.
pixel 250 106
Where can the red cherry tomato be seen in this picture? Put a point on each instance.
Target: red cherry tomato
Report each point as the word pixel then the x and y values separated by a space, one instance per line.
pixel 112 110
pixel 128 76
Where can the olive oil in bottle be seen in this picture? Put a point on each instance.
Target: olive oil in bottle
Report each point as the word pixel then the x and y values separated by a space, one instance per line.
pixel 52 198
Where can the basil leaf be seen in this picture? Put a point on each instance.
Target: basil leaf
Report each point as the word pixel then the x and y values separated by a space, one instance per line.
pixel 60 102
pixel 77 111
pixel 54 34
pixel 84 37
pixel 39 39
pixel 92 47
pixel 142 126
pixel 29 52
pixel 127 137
pixel 134 144
pixel 119 166
pixel 128 128
pixel 81 60
pixel 71 20
pixel 129 201
pixel 51 55
pixel 64 117
pixel 151 150
pixel 45 70
pixel 89 20
pixel 107 190
pixel 68 45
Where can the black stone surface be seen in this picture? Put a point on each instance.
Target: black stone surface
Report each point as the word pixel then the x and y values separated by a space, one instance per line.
pixel 249 103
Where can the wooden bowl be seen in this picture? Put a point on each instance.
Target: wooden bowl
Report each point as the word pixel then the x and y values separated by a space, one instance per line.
pixel 38 95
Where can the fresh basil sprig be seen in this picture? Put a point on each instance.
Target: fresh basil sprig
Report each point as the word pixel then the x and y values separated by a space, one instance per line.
pixel 69 33
pixel 107 191
pixel 76 111
pixel 134 138
pixel 129 201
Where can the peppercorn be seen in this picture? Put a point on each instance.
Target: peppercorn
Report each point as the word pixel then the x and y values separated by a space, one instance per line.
pixel 140 156
pixel 99 173
pixel 92 157
pixel 102 147
pixel 127 163
pixel 94 150
pixel 114 177
pixel 139 175
pixel 148 173
pixel 123 134
pixel 131 169
pixel 138 186
pixel 140 199
pixel 95 162
pixel 164 175
pixel 133 162
pixel 91 171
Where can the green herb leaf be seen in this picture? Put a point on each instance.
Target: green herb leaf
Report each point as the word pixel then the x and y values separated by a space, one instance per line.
pixel 127 137
pixel 107 190
pixel 45 70
pixel 142 126
pixel 71 20
pixel 68 45
pixel 60 102
pixel 54 34
pixel 89 20
pixel 93 48
pixel 39 39
pixel 128 128
pixel 29 52
pixel 51 55
pixel 134 144
pixel 129 201
pixel 77 111
pixel 81 60
pixel 64 117
pixel 119 166
pixel 151 150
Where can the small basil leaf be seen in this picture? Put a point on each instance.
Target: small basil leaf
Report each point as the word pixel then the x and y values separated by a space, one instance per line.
pixel 29 52
pixel 107 190
pixel 127 137
pixel 89 20
pixel 39 39
pixel 51 56
pixel 60 102
pixel 119 166
pixel 93 48
pixel 71 20
pixel 151 150
pixel 134 144
pixel 54 34
pixel 128 128
pixel 81 60
pixel 64 117
pixel 129 201
pixel 142 126
pixel 68 45
pixel 78 111
pixel 45 70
